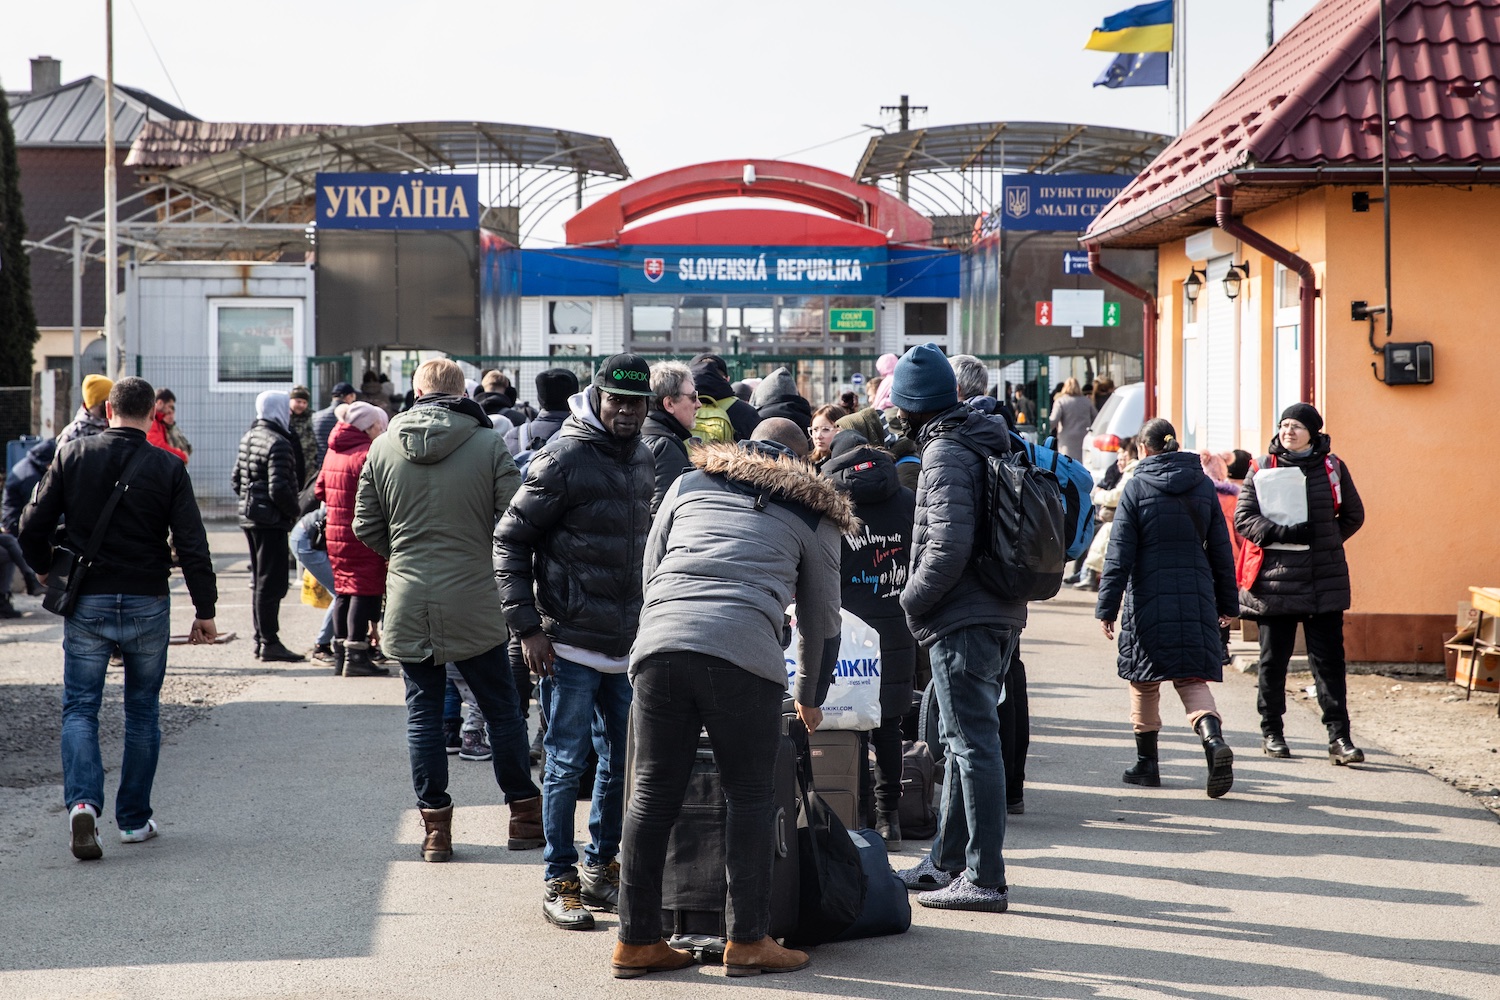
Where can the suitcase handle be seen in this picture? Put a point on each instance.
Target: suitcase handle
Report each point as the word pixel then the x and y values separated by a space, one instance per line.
pixel 782 847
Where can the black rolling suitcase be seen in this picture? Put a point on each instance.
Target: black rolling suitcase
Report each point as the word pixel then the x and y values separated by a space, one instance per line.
pixel 695 885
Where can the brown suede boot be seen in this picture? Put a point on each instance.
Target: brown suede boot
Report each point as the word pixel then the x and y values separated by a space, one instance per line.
pixel 760 956
pixel 630 961
pixel 438 844
pixel 526 825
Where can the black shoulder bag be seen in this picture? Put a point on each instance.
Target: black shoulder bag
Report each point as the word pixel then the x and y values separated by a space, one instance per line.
pixel 65 577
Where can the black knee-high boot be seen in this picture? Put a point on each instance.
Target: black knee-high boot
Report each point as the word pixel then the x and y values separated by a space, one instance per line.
pixel 1146 771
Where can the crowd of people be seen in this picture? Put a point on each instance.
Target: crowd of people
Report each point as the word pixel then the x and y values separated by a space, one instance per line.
pixel 594 544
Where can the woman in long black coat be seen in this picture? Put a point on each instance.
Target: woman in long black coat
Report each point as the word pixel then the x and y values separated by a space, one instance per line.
pixel 1170 571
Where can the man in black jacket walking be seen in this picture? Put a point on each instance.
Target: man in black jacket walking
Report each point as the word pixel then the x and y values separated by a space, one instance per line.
pixel 568 555
pixel 122 602
pixel 267 479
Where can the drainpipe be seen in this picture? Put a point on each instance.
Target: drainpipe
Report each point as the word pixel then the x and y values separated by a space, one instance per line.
pixel 1148 309
pixel 1224 216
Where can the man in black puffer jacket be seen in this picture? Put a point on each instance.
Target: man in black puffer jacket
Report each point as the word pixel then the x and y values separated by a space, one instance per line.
pixel 1304 578
pixel 267 478
pixel 669 425
pixel 777 396
pixel 970 633
pixel 568 554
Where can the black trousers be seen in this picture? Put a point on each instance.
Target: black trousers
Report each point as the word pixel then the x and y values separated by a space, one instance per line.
pixel 1015 729
pixel 1325 654
pixel 352 615
pixel 676 696
pixel 269 561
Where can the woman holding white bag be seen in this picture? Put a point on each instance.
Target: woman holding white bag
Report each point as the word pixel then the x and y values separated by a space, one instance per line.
pixel 1296 510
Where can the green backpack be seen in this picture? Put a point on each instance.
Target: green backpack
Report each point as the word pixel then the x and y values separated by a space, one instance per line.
pixel 712 422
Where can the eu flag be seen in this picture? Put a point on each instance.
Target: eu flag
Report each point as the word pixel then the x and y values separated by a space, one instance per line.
pixel 1147 28
pixel 1135 69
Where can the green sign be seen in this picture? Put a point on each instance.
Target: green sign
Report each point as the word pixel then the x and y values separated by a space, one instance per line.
pixel 1111 314
pixel 851 320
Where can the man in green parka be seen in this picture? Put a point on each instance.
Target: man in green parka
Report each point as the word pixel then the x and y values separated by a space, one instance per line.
pixel 429 496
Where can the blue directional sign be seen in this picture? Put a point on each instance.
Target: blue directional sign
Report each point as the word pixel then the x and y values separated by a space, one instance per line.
pixel 1075 262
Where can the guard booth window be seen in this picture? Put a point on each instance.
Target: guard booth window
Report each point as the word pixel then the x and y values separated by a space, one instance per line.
pixel 926 321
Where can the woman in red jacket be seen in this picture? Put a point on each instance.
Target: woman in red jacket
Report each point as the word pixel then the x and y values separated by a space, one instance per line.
pixel 358 573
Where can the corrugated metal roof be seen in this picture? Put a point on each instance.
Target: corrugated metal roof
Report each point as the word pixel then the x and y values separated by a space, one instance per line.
pixel 73 115
pixel 1311 102
pixel 167 144
pixel 1010 147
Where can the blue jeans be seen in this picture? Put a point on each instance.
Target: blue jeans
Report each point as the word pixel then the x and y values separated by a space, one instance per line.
pixel 140 628
pixel 968 669
pixel 315 561
pixel 583 707
pixel 488 675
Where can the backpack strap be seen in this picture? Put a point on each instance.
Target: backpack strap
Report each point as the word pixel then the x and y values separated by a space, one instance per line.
pixel 1198 529
pixel 1331 462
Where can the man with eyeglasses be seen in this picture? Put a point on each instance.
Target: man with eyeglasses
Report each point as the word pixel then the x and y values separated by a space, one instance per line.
pixel 668 429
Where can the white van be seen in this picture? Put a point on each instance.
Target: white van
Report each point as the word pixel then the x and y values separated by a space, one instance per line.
pixel 1123 414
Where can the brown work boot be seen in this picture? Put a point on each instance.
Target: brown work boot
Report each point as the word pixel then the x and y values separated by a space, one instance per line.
pixel 526 825
pixel 438 844
pixel 631 961
pixel 760 956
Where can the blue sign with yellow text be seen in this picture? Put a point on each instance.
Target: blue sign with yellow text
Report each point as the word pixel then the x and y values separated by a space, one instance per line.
pixel 1056 202
pixel 398 201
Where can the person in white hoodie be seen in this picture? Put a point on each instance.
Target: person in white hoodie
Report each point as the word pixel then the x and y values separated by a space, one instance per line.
pixel 568 556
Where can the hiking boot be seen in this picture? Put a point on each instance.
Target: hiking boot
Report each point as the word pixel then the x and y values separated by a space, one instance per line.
pixel 888 825
pixel 322 653
pixel 760 956
pixel 1274 745
pixel 961 894
pixel 140 834
pixel 1341 750
pixel 925 876
pixel 1146 770
pixel 83 820
pixel 437 844
pixel 526 825
pixel 631 961
pixel 562 904
pixel 357 662
pixel 475 746
pixel 600 886
pixel 453 739
pixel 340 654
pixel 1220 757
pixel 275 652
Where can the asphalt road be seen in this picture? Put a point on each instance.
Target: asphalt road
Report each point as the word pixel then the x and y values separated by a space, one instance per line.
pixel 288 864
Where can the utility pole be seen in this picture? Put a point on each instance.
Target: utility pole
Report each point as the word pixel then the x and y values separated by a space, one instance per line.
pixel 111 249
pixel 904 110
pixel 1270 23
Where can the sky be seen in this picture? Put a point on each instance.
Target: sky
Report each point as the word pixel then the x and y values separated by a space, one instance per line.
pixel 671 82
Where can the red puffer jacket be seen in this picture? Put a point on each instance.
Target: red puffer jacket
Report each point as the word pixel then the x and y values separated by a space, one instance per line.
pixel 356 569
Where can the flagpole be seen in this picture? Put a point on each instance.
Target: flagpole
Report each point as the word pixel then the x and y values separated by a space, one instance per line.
pixel 1179 53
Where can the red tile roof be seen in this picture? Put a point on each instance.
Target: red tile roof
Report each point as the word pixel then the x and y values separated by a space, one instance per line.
pixel 1313 101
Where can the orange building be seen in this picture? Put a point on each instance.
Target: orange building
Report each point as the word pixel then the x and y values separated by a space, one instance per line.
pixel 1268 218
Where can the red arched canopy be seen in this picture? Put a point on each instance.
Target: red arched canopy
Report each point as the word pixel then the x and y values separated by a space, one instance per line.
pixel 815 187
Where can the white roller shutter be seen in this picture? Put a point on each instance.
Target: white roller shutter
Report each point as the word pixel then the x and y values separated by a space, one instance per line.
pixel 1221 362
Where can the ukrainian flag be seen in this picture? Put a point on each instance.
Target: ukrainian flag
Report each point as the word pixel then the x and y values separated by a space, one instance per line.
pixel 1147 28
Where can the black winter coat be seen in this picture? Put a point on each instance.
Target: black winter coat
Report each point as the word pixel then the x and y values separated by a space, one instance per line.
pixel 1167 588
pixel 266 477
pixel 943 592
pixel 667 440
pixel 569 551
pixel 1309 581
pixel 708 382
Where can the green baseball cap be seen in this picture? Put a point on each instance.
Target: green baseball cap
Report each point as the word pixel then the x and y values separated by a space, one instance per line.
pixel 625 375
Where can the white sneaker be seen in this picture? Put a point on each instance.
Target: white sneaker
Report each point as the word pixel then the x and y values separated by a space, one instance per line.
pixel 83 820
pixel 139 835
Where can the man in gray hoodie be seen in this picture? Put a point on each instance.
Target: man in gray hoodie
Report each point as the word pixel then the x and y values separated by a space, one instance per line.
pixel 733 543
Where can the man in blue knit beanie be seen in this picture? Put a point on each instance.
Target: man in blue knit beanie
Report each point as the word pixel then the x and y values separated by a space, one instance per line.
pixel 971 634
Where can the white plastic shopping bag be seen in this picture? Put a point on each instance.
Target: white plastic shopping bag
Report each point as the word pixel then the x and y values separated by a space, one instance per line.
pixel 853 700
pixel 1282 494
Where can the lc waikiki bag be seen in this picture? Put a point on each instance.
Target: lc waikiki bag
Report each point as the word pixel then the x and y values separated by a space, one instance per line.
pixel 1021 552
pixel 852 700
pixel 66 575
pixel 712 423
pixel 1075 483
pixel 1250 558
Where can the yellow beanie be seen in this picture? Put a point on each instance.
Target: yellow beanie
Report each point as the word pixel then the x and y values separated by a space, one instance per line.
pixel 95 390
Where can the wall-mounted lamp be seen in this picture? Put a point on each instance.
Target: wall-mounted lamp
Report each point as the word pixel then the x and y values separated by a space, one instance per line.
pixel 1193 286
pixel 1232 278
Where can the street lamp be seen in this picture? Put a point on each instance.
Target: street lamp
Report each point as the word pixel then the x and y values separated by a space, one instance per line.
pixel 1193 286
pixel 1232 278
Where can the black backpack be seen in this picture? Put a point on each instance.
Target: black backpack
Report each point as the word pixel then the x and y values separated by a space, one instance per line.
pixel 1021 548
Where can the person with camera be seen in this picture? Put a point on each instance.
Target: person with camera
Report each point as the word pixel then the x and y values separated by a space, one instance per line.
pixel 119 499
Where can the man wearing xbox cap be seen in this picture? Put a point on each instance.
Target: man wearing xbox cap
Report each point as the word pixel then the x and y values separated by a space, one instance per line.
pixel 568 555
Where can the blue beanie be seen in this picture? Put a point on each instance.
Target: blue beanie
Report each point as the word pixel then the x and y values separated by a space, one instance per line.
pixel 924 381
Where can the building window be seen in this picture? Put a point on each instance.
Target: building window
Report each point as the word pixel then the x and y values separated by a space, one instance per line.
pixel 570 318
pixel 254 344
pixel 926 321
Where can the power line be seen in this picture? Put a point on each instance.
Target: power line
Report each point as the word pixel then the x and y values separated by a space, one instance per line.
pixel 159 61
